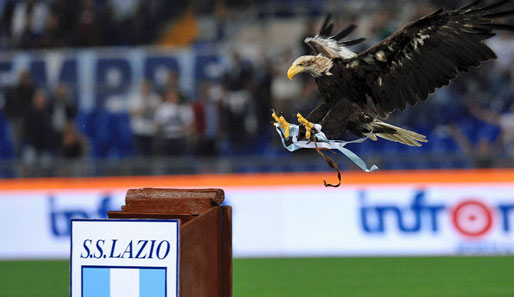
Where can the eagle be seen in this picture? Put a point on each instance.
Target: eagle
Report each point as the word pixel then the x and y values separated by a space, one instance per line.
pixel 359 91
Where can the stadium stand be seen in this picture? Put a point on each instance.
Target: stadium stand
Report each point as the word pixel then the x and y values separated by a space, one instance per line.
pixel 458 138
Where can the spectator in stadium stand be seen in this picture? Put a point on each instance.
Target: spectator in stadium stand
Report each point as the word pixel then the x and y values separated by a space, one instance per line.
pixel 261 92
pixel 237 82
pixel 52 36
pixel 63 110
pixel 95 25
pixel 73 147
pixel 29 21
pixel 6 12
pixel 175 122
pixel 124 9
pixel 207 112
pixel 142 106
pixel 482 154
pixel 73 144
pixel 17 103
pixel 39 140
pixel 505 121
pixel 63 18
pixel 143 25
pixel 173 82
pixel 123 13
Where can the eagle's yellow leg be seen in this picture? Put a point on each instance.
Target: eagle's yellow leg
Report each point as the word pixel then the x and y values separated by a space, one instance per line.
pixel 283 124
pixel 308 125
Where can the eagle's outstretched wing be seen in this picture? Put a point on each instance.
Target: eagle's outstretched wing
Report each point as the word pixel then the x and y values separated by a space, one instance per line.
pixel 425 55
pixel 333 46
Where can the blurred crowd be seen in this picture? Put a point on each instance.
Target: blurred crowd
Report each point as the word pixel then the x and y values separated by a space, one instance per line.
pixel 42 123
pixel 165 121
pixel 28 24
pixel 473 118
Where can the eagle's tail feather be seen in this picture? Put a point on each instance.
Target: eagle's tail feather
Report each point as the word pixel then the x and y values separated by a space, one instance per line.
pixel 397 134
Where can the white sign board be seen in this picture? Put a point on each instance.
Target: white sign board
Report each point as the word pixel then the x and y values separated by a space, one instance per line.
pixel 129 258
pixel 363 220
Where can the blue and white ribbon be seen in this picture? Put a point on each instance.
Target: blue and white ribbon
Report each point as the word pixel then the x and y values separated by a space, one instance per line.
pixel 322 142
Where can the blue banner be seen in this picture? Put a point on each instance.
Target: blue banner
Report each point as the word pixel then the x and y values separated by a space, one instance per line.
pixel 94 75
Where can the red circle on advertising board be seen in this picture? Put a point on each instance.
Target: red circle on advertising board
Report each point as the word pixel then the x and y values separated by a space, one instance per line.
pixel 472 218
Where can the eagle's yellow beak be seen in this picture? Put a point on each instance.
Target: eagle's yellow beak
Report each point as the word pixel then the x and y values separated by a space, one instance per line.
pixel 294 70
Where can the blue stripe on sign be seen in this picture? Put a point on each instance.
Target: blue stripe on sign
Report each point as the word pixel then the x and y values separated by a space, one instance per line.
pixel 152 282
pixel 96 282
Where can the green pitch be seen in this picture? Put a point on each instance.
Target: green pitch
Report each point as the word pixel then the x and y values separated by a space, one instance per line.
pixel 410 277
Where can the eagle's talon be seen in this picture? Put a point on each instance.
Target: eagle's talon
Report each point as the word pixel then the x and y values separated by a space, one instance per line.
pixel 281 121
pixel 308 126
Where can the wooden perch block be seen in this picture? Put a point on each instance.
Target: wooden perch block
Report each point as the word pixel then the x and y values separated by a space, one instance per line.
pixel 205 268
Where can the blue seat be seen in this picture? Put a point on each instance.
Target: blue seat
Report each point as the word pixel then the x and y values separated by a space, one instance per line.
pixel 109 134
pixel 124 142
pixel 6 148
pixel 489 132
pixel 6 143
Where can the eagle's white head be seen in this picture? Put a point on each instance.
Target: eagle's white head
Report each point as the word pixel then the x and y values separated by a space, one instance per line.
pixel 314 65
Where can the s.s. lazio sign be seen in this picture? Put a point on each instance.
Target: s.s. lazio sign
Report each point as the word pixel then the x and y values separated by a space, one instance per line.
pixel 129 258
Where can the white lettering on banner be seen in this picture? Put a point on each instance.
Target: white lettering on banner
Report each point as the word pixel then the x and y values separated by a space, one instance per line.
pixel 95 75
pixel 393 220
pixel 372 220
pixel 60 216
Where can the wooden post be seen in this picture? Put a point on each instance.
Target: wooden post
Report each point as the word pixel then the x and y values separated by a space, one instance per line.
pixel 205 263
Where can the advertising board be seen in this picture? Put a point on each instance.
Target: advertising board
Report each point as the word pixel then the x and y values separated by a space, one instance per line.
pixel 291 215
